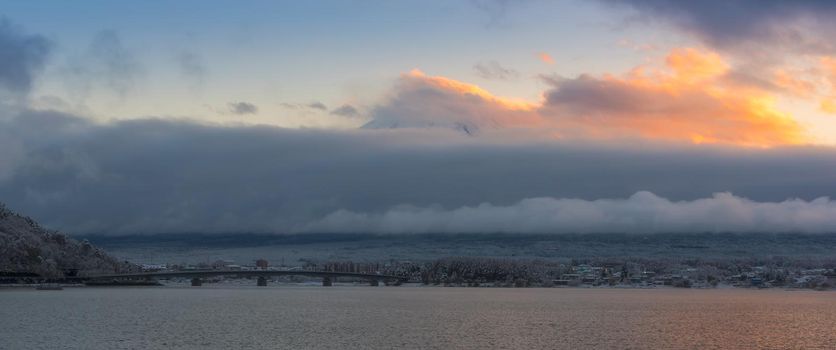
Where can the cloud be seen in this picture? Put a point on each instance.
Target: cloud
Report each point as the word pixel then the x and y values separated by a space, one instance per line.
pixel 192 68
pixel 692 98
pixel 741 25
pixel 421 101
pixel 497 10
pixel 318 105
pixel 828 70
pixel 313 105
pixel 493 70
pixel 11 153
pixel 643 212
pixel 545 58
pixel 106 64
pixel 22 57
pixel 775 43
pixel 346 110
pixel 165 176
pixel 793 84
pixel 118 66
pixel 290 105
pixel 242 108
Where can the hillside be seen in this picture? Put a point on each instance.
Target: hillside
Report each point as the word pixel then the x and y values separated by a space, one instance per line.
pixel 25 246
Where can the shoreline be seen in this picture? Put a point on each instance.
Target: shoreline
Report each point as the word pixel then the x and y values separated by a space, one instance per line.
pixel 274 285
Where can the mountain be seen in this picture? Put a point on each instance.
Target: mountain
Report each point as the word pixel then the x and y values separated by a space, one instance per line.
pixel 25 246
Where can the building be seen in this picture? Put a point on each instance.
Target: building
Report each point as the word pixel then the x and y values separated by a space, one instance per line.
pixel 261 264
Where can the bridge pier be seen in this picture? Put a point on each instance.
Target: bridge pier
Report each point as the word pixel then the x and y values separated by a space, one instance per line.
pixel 197 277
pixel 393 282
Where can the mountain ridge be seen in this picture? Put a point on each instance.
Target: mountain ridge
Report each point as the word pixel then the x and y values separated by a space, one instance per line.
pixel 25 246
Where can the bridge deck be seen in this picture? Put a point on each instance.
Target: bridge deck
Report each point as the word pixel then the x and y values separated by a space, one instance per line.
pixel 209 273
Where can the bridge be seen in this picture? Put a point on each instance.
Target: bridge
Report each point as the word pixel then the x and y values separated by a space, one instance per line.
pixel 198 276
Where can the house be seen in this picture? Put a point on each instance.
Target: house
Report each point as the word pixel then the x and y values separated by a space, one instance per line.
pixel 153 267
pixel 262 264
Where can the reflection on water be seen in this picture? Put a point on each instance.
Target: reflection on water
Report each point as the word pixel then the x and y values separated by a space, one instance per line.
pixel 281 317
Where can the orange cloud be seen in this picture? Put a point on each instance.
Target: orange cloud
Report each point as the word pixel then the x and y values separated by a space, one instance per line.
pixel 690 99
pixel 793 85
pixel 421 101
pixel 828 103
pixel 469 89
pixel 829 66
pixel 546 58
pixel 691 65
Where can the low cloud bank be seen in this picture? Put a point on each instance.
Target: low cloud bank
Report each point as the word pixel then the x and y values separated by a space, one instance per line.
pixel 169 176
pixel 643 212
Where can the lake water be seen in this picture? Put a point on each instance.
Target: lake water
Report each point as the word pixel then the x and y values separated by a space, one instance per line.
pixel 348 317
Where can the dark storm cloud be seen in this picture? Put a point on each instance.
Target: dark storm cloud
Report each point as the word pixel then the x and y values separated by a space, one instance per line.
pixel 22 56
pixel 725 23
pixel 242 108
pixel 346 111
pixel 152 176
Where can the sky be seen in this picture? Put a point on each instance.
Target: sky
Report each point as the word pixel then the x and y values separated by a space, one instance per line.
pixel 419 116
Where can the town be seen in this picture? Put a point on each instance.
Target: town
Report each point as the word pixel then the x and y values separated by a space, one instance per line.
pixel 496 272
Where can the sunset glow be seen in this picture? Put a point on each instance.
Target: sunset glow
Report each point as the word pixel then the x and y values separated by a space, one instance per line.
pixel 689 98
pixel 272 117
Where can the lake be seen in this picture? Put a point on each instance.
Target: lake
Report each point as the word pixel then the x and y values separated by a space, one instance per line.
pixel 409 317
